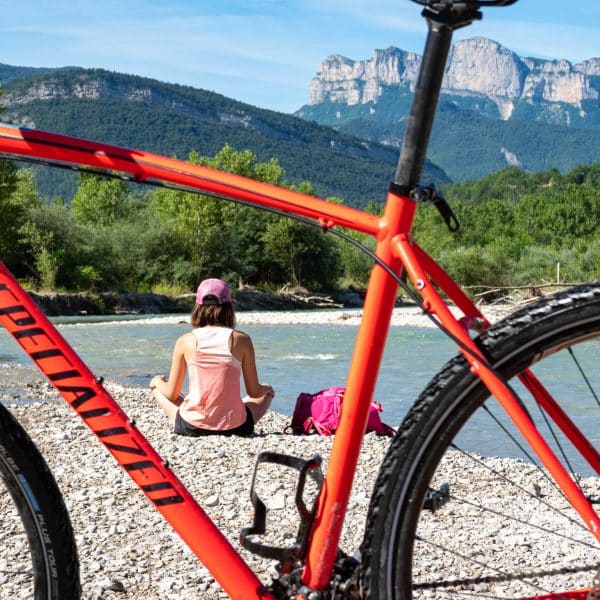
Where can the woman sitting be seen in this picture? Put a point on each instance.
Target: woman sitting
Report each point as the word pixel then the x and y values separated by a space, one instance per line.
pixel 215 355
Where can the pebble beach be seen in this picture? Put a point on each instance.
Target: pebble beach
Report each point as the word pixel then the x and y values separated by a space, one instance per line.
pixel 128 552
pixel 406 316
pixel 126 549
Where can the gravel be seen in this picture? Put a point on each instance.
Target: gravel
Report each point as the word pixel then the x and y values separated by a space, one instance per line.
pixel 127 551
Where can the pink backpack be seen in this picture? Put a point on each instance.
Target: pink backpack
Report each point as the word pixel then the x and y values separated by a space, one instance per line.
pixel 321 412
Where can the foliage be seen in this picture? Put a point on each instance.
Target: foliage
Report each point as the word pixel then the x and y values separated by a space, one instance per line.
pixel 302 255
pixel 18 197
pixel 516 229
pixel 99 202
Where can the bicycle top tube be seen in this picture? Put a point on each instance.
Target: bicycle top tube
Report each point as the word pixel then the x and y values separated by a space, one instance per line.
pixel 138 166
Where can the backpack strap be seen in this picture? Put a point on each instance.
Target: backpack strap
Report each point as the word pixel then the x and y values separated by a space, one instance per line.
pixel 311 423
pixel 387 430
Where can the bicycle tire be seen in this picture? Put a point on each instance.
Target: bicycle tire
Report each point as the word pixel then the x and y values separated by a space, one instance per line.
pixel 38 554
pixel 408 551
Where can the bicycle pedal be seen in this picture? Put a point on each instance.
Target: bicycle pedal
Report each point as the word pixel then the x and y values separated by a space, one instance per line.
pixel 435 499
pixel 287 556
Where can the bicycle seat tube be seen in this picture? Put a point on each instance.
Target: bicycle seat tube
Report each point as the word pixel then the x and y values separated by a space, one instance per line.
pixel 380 298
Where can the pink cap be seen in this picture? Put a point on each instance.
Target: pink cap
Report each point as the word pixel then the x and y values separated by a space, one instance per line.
pixel 213 291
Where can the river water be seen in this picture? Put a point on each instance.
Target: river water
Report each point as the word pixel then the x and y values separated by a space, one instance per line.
pixel 292 358
pixel 297 358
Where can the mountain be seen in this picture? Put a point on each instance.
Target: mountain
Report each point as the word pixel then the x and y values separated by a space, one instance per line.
pixel 496 108
pixel 173 120
pixel 9 72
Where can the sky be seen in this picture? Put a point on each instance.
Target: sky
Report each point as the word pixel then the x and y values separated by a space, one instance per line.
pixel 264 52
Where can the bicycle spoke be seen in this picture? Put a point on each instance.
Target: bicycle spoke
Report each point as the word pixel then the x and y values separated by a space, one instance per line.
pixel 517 520
pixel 559 445
pixel 501 575
pixel 481 463
pixel 519 445
pixel 533 460
pixel 585 378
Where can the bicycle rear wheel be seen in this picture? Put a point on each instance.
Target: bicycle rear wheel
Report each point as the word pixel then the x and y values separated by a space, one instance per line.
pixel 448 519
pixel 38 556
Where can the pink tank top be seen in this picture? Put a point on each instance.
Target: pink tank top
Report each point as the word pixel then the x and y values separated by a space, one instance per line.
pixel 214 399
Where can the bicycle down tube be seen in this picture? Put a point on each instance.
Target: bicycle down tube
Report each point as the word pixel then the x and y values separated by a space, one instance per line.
pixel 38 337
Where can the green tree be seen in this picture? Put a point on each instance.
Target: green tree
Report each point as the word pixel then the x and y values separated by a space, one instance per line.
pixel 304 255
pixel 141 252
pixel 59 246
pixel 474 265
pixel 99 202
pixel 220 238
pixel 18 197
pixel 355 264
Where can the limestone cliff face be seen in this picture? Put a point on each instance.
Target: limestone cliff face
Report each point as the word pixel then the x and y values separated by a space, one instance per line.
pixel 477 66
pixel 589 67
pixel 79 86
pixel 359 82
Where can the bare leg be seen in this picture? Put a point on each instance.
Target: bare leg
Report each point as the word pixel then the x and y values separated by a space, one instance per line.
pixel 169 406
pixel 258 406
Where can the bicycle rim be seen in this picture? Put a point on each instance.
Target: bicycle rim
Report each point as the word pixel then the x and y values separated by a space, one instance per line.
pixel 501 528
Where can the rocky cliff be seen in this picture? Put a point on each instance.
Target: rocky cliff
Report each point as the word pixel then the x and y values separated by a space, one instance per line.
pixel 476 67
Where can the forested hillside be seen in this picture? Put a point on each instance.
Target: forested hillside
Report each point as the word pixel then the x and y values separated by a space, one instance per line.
pixel 519 228
pixel 470 145
pixel 175 120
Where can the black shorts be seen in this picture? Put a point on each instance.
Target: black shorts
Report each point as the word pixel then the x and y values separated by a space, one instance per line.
pixel 182 427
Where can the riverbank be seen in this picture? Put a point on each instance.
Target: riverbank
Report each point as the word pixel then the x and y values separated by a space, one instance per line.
pixel 127 552
pixel 145 303
pixel 404 316
pixel 252 307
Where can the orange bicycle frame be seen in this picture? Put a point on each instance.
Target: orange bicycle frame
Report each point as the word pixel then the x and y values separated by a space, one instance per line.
pixel 86 395
pixel 395 250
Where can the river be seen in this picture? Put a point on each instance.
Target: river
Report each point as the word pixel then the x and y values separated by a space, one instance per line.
pixel 293 358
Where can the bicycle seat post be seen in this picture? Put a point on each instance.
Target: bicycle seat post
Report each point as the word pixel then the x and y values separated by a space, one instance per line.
pixel 443 18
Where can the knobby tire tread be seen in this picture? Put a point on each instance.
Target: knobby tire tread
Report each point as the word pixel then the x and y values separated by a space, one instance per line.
pixel 15 443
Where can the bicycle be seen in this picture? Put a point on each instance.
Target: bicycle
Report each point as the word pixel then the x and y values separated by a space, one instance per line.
pixel 421 488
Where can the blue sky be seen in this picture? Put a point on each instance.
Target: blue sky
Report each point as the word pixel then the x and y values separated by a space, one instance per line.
pixel 264 52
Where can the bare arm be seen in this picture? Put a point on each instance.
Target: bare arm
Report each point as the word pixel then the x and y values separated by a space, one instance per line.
pixel 243 350
pixel 171 388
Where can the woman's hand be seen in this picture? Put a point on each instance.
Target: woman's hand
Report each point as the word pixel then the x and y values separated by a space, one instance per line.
pixel 268 390
pixel 156 381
